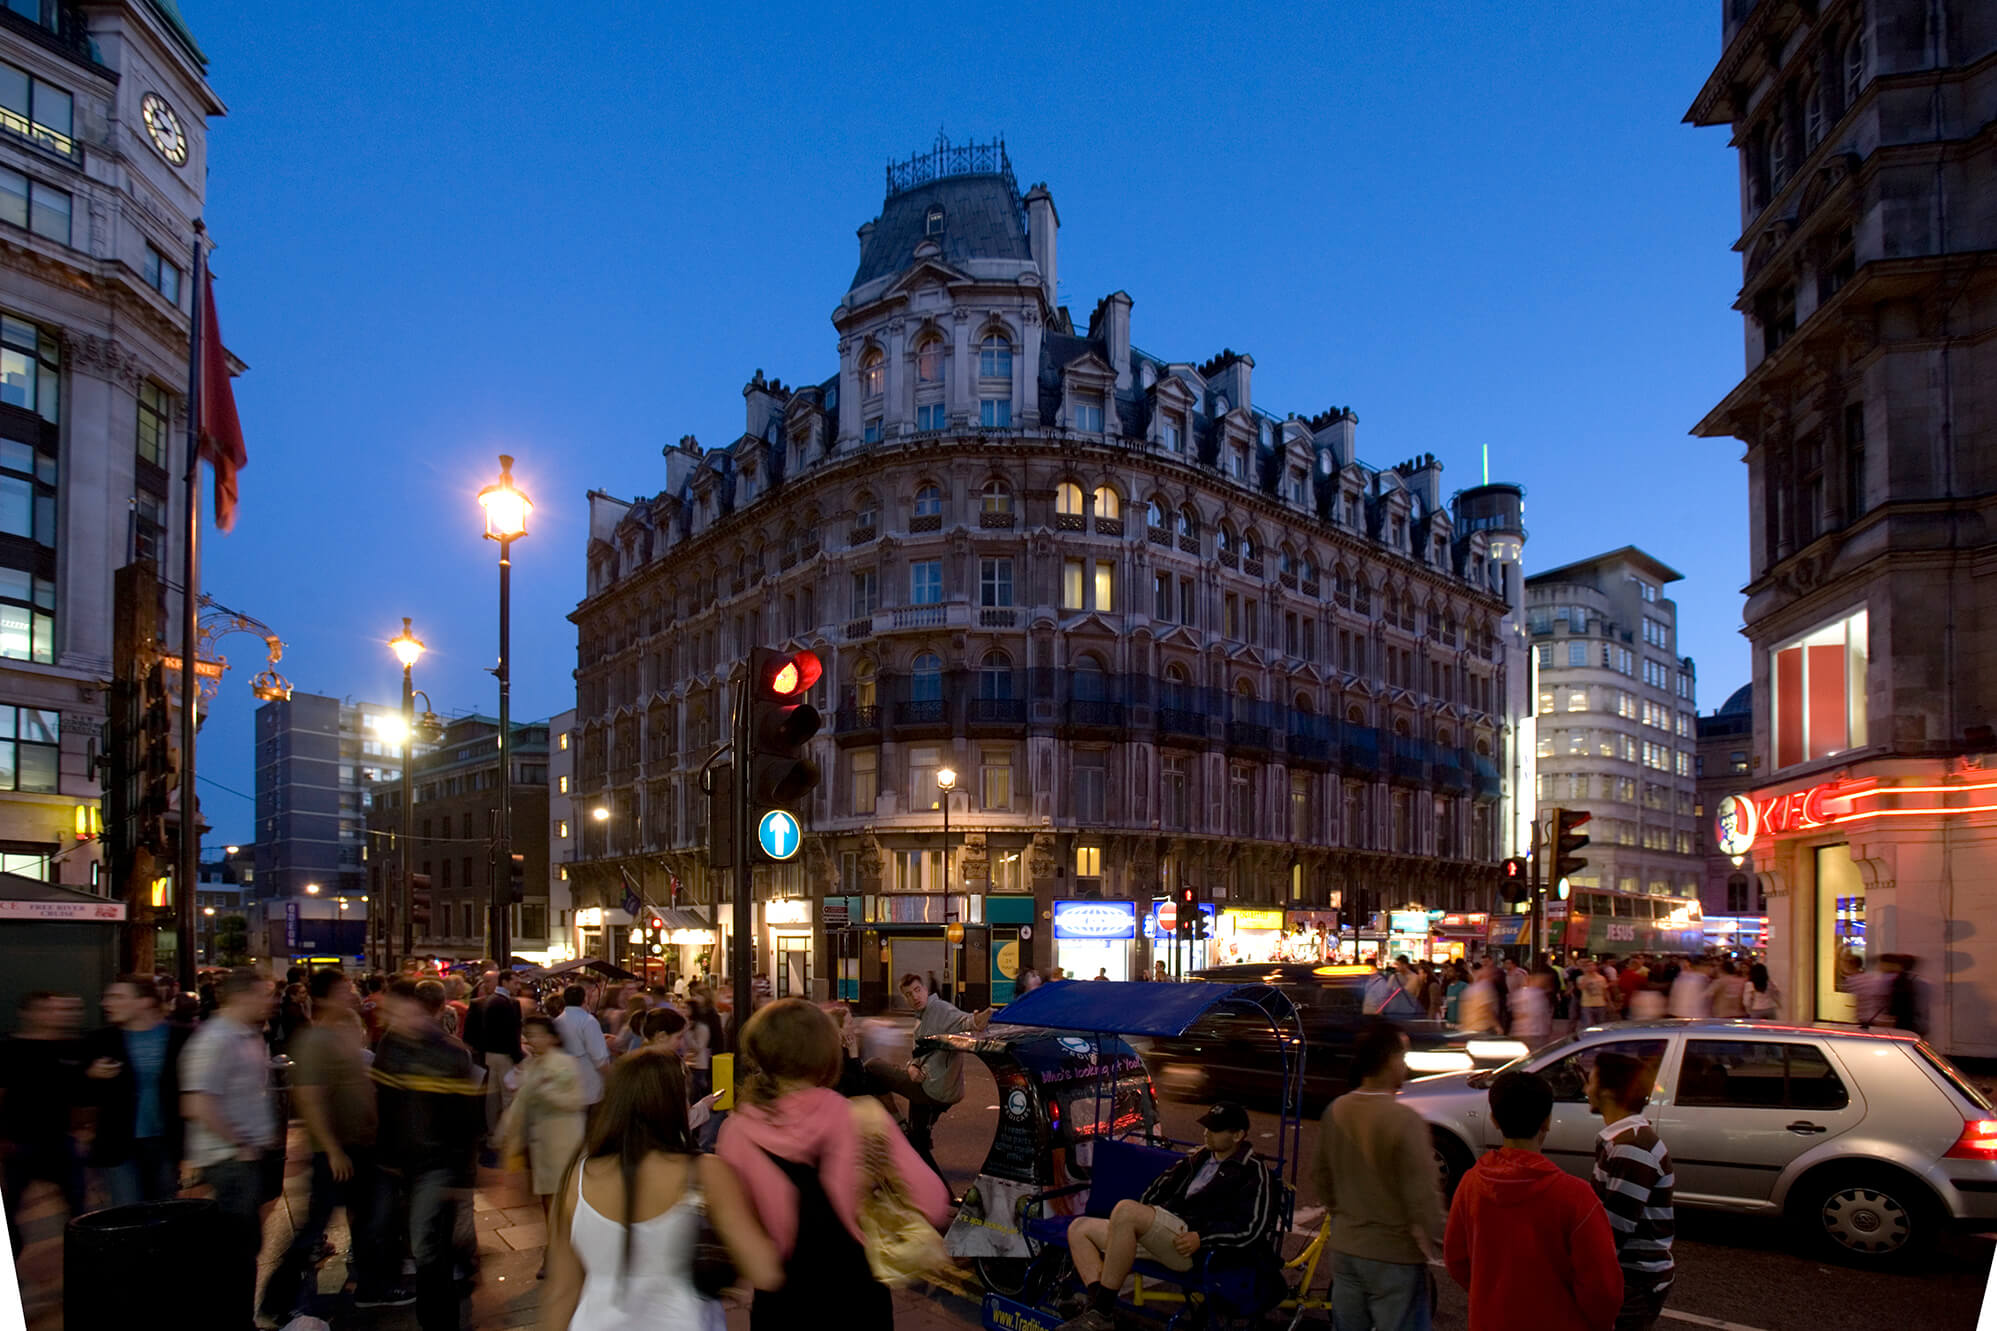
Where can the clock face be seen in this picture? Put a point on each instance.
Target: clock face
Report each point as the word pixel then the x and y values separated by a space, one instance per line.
pixel 164 126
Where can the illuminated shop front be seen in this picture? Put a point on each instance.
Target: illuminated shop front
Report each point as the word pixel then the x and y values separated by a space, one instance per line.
pixel 1249 934
pixel 1094 936
pixel 1181 957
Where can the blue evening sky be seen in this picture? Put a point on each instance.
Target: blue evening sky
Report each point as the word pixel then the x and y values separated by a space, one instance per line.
pixel 571 233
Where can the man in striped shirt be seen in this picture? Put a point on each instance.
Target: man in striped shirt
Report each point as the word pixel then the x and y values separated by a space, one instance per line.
pixel 1634 1180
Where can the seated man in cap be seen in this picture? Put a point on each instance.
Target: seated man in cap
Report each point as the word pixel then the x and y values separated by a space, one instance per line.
pixel 1220 1196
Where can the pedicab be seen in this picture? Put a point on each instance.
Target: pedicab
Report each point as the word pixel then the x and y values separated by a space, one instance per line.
pixel 1078 1132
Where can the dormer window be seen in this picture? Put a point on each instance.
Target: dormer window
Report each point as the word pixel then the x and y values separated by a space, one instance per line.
pixel 1299 493
pixel 1089 413
pixel 932 224
pixel 1237 462
pixel 873 373
pixel 1265 434
pixel 1173 433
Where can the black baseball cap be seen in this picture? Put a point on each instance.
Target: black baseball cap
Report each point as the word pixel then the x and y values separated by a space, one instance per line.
pixel 1226 1116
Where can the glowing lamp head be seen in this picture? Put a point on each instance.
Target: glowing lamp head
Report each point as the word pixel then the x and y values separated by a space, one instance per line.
pixel 312 889
pixel 946 778
pixel 406 646
pixel 796 675
pixel 601 814
pixel 506 506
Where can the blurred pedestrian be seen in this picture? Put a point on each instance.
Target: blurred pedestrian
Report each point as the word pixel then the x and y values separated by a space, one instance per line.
pixel 1634 1180
pixel 1906 999
pixel 1530 1242
pixel 132 1076
pixel 1478 1005
pixel 493 1034
pixel 41 1069
pixel 1375 1173
pixel 933 1079
pixel 1689 991
pixel 1725 996
pixel 1452 992
pixel 583 1039
pixel 1760 999
pixel 703 1041
pixel 798 1149
pixel 627 1217
pixel 1532 1006
pixel 1593 991
pixel 231 1114
pixel 1159 973
pixel 545 1120
pixel 432 1115
pixel 1029 980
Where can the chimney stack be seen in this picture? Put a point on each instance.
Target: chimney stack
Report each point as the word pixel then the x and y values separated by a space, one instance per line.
pixel 1043 225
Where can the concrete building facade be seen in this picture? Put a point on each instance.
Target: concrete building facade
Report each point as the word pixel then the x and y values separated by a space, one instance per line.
pixel 455 816
pixel 318 761
pixel 1162 634
pixel 1616 708
pixel 103 158
pixel 1868 413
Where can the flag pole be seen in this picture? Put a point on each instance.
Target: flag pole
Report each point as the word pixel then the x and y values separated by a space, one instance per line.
pixel 189 846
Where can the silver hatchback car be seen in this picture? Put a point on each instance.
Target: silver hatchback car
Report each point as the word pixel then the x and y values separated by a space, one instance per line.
pixel 1867 1141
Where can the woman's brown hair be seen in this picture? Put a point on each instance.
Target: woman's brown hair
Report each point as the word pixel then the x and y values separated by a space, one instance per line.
pixel 789 1040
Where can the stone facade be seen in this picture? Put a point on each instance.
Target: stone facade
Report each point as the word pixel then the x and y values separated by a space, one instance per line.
pixel 93 380
pixel 1162 634
pixel 1869 296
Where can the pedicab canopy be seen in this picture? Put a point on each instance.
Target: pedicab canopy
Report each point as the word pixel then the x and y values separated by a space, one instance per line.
pixel 1139 1007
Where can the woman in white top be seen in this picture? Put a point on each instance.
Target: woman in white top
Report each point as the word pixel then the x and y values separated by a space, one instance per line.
pixel 621 1240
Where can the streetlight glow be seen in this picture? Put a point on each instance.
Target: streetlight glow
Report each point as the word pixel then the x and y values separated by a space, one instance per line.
pixel 601 814
pixel 232 850
pixel 946 778
pixel 506 505
pixel 391 729
pixel 408 648
pixel 208 910
pixel 312 889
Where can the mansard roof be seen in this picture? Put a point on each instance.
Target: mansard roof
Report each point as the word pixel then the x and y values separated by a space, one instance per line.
pixel 981 220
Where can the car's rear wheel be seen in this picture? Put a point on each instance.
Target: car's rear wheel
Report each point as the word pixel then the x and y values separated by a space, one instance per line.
pixel 1867 1217
pixel 1452 1160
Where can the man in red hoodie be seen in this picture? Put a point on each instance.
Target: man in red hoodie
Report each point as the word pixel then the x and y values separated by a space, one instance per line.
pixel 1530 1243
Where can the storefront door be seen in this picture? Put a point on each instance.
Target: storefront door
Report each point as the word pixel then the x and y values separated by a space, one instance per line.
pixel 793 977
pixel 1841 951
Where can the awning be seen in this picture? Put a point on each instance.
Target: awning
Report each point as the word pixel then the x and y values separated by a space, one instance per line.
pixel 24 898
pixel 678 918
pixel 595 964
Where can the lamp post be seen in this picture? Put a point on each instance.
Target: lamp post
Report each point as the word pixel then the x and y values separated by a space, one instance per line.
pixel 208 915
pixel 408 648
pixel 946 782
pixel 506 509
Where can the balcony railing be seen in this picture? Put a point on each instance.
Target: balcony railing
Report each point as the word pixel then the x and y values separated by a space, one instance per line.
pixel 849 719
pixel 920 712
pixel 861 535
pixel 997 617
pixel 1309 748
pixel 1189 544
pixel 1311 590
pixel 1288 580
pixel 996 521
pixel 998 711
pixel 1094 712
pixel 1178 721
pixel 926 522
pixel 1248 735
pixel 1158 536
pixel 1228 559
pixel 1070 522
pixel 1252 567
pixel 917 617
pixel 857 629
pixel 1109 526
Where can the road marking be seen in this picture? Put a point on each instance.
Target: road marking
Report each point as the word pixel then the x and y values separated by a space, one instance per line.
pixel 1713 1322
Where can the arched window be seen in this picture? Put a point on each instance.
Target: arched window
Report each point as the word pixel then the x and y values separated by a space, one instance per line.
pixel 1484 747
pixel 873 373
pixel 995 676
pixel 1354 716
pixel 1068 499
pixel 1223 540
pixel 1249 548
pixel 1813 118
pixel 995 358
pixel 929 502
pixel 925 681
pixel 1090 684
pixel 1189 523
pixel 929 361
pixel 1285 561
pixel 1244 688
pixel 1442 736
pixel 1157 516
pixel 1362 596
pixel 997 497
pixel 863 684
pixel 1854 67
pixel 1305 705
pixel 1108 504
pixel 1778 151
pixel 1401 726
pixel 1308 569
pixel 866 510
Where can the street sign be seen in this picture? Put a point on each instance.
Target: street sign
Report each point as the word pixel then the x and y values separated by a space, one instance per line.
pixel 1168 916
pixel 777 834
pixel 954 932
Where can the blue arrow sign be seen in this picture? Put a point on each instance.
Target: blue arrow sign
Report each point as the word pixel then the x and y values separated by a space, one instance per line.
pixel 778 834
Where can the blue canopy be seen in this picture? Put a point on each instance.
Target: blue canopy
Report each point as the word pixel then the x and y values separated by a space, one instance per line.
pixel 1135 1007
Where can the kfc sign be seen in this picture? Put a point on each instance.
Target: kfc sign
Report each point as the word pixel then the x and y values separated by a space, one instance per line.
pixel 1741 820
pixel 1734 825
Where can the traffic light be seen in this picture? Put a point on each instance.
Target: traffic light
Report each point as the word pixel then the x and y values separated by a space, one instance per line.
pixel 1567 839
pixel 419 902
pixel 1199 924
pixel 1515 879
pixel 1185 911
pixel 516 879
pixel 781 723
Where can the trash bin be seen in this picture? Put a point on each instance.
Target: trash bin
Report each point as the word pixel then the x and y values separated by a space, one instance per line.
pixel 164 1256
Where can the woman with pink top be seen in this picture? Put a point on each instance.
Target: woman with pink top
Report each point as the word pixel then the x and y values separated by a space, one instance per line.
pixel 796 1145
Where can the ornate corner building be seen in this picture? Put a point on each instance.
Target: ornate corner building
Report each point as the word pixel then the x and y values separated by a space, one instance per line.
pixel 1869 297
pixel 1158 634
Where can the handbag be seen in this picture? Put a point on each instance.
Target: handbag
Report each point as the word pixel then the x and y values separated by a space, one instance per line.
pixel 902 1246
pixel 713 1267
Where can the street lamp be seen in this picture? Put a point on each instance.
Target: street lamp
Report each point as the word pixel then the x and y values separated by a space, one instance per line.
pixel 312 889
pixel 506 508
pixel 946 781
pixel 408 649
pixel 209 912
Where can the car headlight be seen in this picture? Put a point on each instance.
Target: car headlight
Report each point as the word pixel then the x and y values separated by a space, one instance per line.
pixel 1500 1051
pixel 1439 1060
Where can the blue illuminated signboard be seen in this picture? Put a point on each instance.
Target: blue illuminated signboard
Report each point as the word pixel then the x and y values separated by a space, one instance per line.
pixel 1095 919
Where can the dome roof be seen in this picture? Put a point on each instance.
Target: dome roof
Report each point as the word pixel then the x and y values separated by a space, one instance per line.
pixel 1740 704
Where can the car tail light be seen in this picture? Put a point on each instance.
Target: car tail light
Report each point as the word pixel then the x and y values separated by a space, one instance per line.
pixel 1977 1142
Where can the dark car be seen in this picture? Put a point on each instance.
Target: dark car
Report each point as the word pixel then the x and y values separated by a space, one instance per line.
pixel 1238 1053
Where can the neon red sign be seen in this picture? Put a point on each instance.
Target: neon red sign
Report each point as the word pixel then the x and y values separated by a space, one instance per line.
pixel 1837 802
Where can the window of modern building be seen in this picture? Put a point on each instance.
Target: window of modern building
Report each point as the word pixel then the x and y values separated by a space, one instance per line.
pixel 30 749
pixel 995 358
pixel 149 539
pixel 163 275
pixel 34 109
pixel 1819 679
pixel 1577 700
pixel 30 369
pixel 925 582
pixel 929 416
pixel 1577 654
pixel 34 205
pixel 995 582
pixel 995 413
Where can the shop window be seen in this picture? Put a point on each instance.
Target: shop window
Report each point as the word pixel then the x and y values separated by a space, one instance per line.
pixel 1819 695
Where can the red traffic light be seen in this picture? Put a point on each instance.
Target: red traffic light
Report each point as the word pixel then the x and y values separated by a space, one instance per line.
pixel 658 923
pixel 794 674
pixel 1515 867
pixel 1189 896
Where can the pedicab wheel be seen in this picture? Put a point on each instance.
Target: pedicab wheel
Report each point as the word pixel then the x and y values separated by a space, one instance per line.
pixel 1005 1275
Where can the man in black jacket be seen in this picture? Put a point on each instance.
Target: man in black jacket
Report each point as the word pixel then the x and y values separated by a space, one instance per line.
pixel 492 1029
pixel 431 1115
pixel 132 1075
pixel 1219 1197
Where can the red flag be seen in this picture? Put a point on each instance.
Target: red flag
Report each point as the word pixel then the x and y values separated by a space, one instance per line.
pixel 221 431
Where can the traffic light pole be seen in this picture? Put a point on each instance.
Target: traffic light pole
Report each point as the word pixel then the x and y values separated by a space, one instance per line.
pixel 1539 843
pixel 741 950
